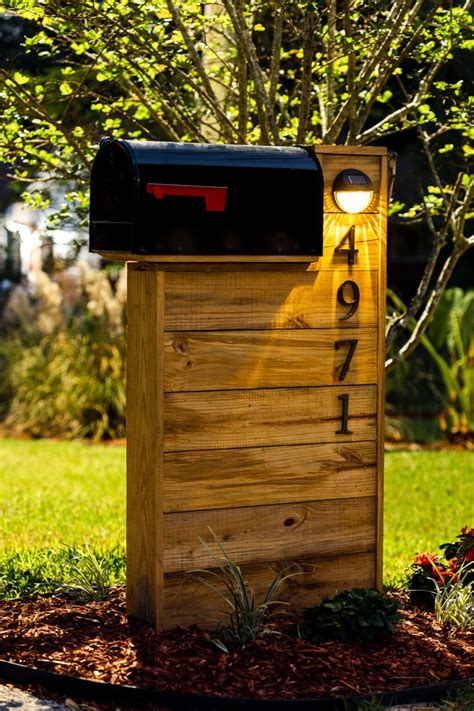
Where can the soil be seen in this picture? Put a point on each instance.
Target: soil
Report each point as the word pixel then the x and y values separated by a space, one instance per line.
pixel 97 641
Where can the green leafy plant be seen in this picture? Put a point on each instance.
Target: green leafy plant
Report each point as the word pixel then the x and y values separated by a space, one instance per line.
pixel 462 549
pixel 449 341
pixel 247 618
pixel 358 614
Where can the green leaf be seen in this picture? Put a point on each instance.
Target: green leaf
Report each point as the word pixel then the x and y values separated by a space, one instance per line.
pixel 65 88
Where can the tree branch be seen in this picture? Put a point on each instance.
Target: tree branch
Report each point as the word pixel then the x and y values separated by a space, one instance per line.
pixel 431 305
pixel 275 61
pixel 196 59
pixel 266 116
pixel 308 54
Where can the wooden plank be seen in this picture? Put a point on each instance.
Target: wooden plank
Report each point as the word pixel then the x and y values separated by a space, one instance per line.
pixel 145 446
pixel 332 165
pixel 166 259
pixel 257 534
pixel 188 601
pixel 228 360
pixel 155 264
pixel 265 300
pixel 276 475
pixel 366 233
pixel 382 288
pixel 354 151
pixel 252 418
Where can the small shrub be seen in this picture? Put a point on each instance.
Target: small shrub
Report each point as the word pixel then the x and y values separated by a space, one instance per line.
pixel 247 619
pixel 62 368
pixel 361 614
pixel 69 386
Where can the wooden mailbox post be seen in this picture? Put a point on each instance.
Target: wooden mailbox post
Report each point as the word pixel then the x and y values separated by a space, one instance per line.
pixel 255 408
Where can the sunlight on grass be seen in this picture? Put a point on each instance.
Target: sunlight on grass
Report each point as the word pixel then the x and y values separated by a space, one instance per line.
pixel 69 493
pixel 61 493
pixel 428 498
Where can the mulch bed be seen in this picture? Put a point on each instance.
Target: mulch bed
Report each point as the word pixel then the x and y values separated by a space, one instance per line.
pixel 96 641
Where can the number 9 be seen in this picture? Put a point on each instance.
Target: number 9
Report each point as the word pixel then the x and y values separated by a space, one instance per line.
pixel 354 304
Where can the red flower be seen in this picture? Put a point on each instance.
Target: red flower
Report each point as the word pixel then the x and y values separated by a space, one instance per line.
pixel 469 556
pixel 426 560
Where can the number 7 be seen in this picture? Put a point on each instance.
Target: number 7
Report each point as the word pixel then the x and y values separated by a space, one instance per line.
pixel 352 343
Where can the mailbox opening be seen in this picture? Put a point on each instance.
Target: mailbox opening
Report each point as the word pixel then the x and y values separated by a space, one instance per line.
pixel 154 198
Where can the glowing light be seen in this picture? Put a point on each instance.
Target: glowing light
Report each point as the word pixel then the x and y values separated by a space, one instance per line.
pixel 353 201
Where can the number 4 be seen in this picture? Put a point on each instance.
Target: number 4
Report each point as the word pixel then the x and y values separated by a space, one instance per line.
pixel 350 251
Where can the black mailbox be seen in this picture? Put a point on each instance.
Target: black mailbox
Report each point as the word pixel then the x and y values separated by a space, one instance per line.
pixel 156 198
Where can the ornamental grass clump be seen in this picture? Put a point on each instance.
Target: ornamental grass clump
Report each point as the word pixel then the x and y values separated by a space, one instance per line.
pixel 361 614
pixel 247 619
pixel 65 376
pixel 454 603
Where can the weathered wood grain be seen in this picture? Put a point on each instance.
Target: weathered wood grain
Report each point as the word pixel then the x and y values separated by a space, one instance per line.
pixel 275 475
pixel 251 418
pixel 188 601
pixel 367 229
pixel 265 300
pixel 145 446
pixel 257 534
pixel 228 360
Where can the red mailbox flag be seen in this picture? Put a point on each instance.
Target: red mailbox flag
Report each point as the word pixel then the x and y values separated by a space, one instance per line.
pixel 214 197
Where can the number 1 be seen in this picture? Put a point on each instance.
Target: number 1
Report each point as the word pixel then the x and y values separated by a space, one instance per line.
pixel 345 415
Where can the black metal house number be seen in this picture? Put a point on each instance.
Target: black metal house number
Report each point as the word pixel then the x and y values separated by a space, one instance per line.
pixel 344 415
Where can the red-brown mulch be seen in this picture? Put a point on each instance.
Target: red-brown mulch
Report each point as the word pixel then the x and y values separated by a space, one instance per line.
pixel 96 641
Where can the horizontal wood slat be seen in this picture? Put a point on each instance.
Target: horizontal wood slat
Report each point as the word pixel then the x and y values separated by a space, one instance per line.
pixel 189 601
pixel 250 476
pixel 265 300
pixel 228 360
pixel 246 418
pixel 282 531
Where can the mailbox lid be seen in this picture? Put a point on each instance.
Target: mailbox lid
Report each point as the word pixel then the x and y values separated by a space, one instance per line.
pixel 203 199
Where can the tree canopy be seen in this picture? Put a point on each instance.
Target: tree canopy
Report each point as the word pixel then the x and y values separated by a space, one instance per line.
pixel 238 71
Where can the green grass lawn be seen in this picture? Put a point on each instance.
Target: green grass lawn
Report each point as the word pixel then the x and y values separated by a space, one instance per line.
pixel 57 494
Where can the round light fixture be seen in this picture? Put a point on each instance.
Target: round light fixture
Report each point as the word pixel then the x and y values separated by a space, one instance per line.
pixel 352 190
